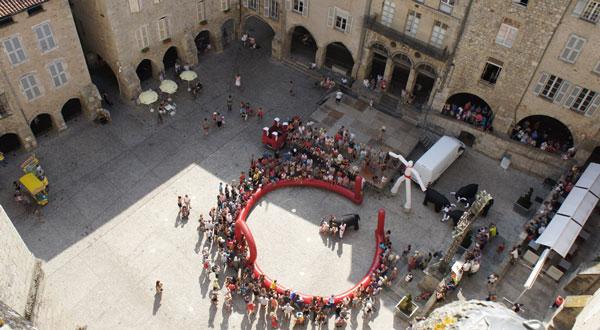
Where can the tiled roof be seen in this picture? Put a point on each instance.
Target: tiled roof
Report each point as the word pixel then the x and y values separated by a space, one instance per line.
pixel 11 7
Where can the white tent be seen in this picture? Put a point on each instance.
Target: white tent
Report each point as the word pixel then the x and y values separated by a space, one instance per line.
pixel 590 179
pixel 578 205
pixel 560 234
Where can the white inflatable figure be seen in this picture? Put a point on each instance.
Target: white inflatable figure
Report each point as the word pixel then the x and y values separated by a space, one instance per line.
pixel 409 172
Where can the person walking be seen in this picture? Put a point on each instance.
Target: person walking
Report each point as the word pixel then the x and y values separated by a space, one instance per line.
pixel 187 201
pixel 238 81
pixel 338 96
pixel 205 126
pixel 229 103
pixel 159 288
pixel 159 118
pixel 179 202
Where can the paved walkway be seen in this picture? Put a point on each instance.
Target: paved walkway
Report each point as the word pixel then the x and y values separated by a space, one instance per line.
pixel 111 227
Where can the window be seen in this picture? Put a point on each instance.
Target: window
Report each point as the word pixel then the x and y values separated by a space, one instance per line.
pixel 252 4
pixel 580 99
pixel 597 68
pixel 201 8
pixel 300 6
pixel 412 23
pixel 387 14
pixel 572 49
pixel 157 1
pixel 521 2
pixel 58 74
pixel 134 6
pixel 224 5
pixel 447 5
pixel 30 87
pixel 339 19
pixel 5 21
pixel 591 12
pixel 34 10
pixel 141 36
pixel 491 71
pixel 506 35
pixel 272 9
pixel 43 32
pixel 163 28
pixel 14 50
pixel 438 34
pixel 555 88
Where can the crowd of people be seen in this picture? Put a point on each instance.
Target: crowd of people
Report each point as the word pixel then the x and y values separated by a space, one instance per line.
pixel 531 134
pixel 312 154
pixel 476 115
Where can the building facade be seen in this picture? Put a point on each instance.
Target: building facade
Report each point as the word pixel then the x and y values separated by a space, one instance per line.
pixel 44 80
pixel 138 39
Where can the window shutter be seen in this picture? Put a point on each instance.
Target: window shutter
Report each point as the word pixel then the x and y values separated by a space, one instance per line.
pixel 305 12
pixel 597 68
pixel 330 16
pixel 579 7
pixel 134 6
pixel 246 3
pixel 349 24
pixel 571 99
pixel 540 84
pixel 266 12
pixel 138 38
pixel 577 49
pixel 288 4
pixel 562 91
pixel 593 106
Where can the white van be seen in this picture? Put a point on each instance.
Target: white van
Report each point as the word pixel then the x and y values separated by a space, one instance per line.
pixel 438 158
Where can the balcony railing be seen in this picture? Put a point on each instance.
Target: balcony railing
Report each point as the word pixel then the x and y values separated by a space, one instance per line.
pixel 372 24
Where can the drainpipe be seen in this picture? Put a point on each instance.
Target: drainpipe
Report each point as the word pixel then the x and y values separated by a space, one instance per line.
pixel 535 72
pixel 363 34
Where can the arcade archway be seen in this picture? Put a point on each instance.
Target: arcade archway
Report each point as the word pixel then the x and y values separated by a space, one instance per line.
pixel 170 57
pixel 261 31
pixel 378 61
pixel 102 74
pixel 303 45
pixel 424 83
pixel 543 132
pixel 41 124
pixel 338 58
pixel 202 41
pixel 144 70
pixel 402 65
pixel 71 109
pixel 227 33
pixel 471 109
pixel 9 142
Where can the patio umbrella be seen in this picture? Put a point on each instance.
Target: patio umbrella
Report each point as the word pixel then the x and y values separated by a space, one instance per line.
pixel 188 76
pixel 148 97
pixel 168 86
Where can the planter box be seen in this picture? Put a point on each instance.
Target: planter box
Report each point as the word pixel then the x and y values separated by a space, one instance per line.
pixel 522 210
pixel 404 315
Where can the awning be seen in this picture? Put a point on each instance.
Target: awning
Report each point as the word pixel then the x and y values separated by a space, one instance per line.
pixel 560 234
pixel 590 179
pixel 578 205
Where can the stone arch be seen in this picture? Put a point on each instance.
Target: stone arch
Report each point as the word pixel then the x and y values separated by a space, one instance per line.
pixel 41 124
pixel 470 102
pixel 259 29
pixel 380 48
pixel 302 43
pixel 227 32
pixel 202 40
pixel 403 64
pixel 547 129
pixel 10 142
pixel 71 109
pixel 170 57
pixel 424 82
pixel 339 58
pixel 103 74
pixel 144 69
pixel 379 57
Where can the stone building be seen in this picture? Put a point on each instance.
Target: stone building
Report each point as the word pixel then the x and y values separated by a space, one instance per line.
pixel 137 39
pixel 409 43
pixel 43 77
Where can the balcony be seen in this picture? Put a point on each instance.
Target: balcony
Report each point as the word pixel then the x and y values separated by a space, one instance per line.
pixel 372 24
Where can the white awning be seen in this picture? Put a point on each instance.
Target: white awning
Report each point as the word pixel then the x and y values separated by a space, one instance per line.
pixel 578 205
pixel 590 179
pixel 560 234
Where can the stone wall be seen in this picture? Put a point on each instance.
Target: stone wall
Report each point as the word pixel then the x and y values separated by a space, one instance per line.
pixel 523 157
pixel 18 267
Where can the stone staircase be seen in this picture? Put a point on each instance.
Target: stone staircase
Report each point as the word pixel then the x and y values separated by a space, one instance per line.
pixel 389 105
pixel 302 68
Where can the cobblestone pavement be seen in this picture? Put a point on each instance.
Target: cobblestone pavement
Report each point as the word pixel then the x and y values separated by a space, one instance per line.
pixel 111 228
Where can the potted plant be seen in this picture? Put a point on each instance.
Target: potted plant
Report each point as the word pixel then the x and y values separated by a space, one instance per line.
pixel 406 307
pixel 203 22
pixel 145 49
pixel 523 204
pixel 166 41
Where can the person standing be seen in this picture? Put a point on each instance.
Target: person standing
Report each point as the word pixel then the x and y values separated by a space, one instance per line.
pixel 205 126
pixel 159 118
pixel 179 203
pixel 338 96
pixel 159 288
pixel 229 103
pixel 238 81
pixel 187 201
pixel 292 88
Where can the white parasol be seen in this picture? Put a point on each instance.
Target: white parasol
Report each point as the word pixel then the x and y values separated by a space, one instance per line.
pixel 168 86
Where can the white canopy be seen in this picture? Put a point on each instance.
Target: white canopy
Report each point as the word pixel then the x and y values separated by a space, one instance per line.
pixel 560 234
pixel 578 205
pixel 590 179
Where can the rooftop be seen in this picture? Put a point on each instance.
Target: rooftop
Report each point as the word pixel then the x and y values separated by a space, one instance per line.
pixel 11 7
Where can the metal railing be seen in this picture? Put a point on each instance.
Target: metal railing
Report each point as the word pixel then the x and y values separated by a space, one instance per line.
pixel 372 24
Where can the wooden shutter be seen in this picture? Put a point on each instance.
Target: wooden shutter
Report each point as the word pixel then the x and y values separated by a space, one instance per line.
pixel 305 12
pixel 579 7
pixel 540 84
pixel 330 16
pixel 562 91
pixel 593 106
pixel 349 24
pixel 134 6
pixel 571 99
pixel 579 42
pixel 266 8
